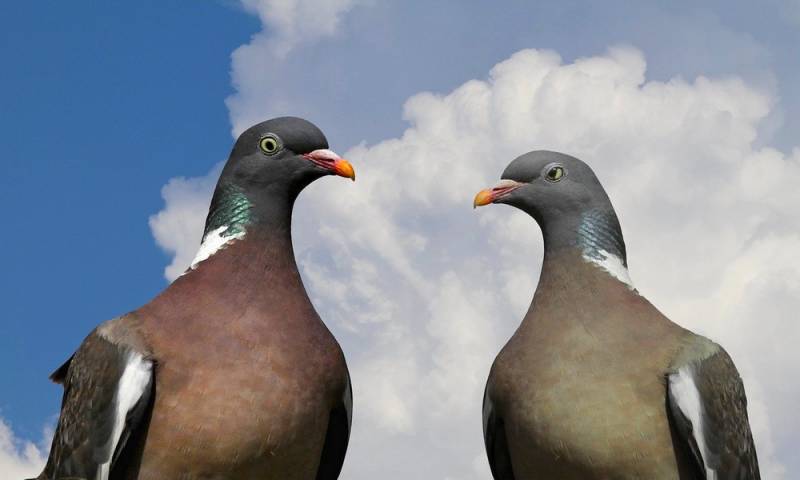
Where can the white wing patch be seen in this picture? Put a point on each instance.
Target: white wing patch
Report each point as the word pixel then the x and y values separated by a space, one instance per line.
pixel 685 394
pixel 132 384
pixel 213 241
pixel 613 265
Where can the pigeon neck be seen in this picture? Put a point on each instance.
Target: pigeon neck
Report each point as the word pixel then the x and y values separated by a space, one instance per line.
pixel 230 210
pixel 235 215
pixel 599 235
pixel 596 235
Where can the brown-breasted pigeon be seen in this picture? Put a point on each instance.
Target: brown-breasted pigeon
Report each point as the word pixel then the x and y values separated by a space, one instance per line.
pixel 229 373
pixel 596 383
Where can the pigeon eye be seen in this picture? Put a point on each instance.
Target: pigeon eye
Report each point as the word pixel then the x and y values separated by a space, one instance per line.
pixel 269 144
pixel 554 173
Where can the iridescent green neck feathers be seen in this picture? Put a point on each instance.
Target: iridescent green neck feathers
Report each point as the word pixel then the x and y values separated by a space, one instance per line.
pixel 230 208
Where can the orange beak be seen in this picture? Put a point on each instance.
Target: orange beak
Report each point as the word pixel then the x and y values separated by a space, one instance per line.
pixel 331 161
pixel 491 195
pixel 484 197
pixel 343 168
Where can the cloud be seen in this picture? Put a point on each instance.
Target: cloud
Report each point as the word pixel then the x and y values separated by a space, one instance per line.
pixel 422 292
pixel 177 229
pixel 285 25
pixel 288 23
pixel 20 459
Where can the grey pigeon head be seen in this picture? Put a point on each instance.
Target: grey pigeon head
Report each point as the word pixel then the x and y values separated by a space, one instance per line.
pixel 289 151
pixel 549 186
pixel 566 199
pixel 269 165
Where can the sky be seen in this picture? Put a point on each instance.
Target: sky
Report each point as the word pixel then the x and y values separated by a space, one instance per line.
pixel 114 123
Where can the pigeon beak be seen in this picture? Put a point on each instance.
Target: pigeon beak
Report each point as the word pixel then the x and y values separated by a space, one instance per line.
pixel 331 161
pixel 491 195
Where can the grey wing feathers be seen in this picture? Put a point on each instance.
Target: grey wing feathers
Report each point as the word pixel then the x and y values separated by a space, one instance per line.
pixel 494 436
pixel 60 374
pixel 337 437
pixel 107 387
pixel 708 408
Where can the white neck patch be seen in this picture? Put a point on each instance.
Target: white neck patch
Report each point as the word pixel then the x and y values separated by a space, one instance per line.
pixel 213 241
pixel 613 265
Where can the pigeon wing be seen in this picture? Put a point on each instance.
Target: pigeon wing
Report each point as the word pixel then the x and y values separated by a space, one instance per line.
pixel 107 388
pixel 708 409
pixel 494 436
pixel 337 437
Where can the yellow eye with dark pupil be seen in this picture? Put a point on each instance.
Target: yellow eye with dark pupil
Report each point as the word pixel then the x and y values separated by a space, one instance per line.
pixel 555 174
pixel 269 145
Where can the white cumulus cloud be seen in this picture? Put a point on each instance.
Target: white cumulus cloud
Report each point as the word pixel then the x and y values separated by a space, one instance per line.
pixel 176 228
pixel 286 24
pixel 422 291
pixel 18 458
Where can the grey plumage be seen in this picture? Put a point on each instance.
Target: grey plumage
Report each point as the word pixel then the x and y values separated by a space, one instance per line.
pixel 727 446
pixel 85 439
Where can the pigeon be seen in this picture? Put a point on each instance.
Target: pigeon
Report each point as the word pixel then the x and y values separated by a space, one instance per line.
pixel 229 373
pixel 596 383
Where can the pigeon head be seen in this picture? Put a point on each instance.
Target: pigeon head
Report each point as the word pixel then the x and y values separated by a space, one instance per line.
pixel 286 153
pixel 269 165
pixel 566 199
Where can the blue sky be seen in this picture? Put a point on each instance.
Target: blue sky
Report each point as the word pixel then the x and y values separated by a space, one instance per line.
pixel 104 109
pixel 87 147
